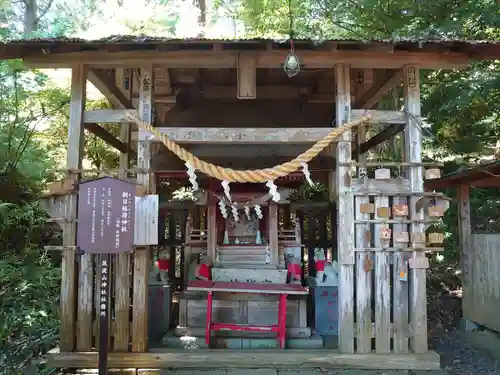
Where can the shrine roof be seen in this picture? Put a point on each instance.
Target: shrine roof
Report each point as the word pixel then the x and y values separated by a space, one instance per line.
pixel 474 176
pixel 24 48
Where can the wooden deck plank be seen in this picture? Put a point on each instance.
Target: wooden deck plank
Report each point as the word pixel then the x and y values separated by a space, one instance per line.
pixel 270 358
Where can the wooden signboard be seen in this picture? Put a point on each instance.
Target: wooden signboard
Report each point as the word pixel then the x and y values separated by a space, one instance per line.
pixel 146 220
pixel 382 174
pixel 106 212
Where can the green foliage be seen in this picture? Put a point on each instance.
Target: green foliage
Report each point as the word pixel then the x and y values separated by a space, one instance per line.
pixel 306 193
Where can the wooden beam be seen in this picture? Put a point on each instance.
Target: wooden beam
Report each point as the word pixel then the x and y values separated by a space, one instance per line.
pixel 250 359
pixel 243 136
pixel 413 154
pixel 262 92
pixel 379 90
pixel 113 116
pixel 345 214
pixel 246 75
pixel 264 59
pixel 488 182
pixel 107 137
pixel 108 88
pixel 287 150
pixel 386 134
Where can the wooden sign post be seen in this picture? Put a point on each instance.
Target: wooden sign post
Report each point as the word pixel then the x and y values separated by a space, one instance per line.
pixel 106 211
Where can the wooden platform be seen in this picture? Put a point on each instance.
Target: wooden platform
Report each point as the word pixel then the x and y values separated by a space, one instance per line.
pixel 163 358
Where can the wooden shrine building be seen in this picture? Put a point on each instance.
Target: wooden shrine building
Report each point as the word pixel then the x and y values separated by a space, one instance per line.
pixel 233 104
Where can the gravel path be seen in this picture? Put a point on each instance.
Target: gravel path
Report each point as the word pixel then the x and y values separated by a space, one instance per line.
pixel 460 358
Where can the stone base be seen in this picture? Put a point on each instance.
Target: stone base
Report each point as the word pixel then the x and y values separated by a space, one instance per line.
pixel 198 342
pixel 304 332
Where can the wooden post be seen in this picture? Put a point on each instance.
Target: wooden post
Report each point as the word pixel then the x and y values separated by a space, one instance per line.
pixel 464 235
pixel 142 254
pixel 345 242
pixel 413 151
pixel 273 232
pixel 211 230
pixel 364 261
pixel 68 282
pixel 122 274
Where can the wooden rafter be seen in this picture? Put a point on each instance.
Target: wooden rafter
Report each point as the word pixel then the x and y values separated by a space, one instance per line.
pixel 108 88
pixel 109 138
pixel 377 91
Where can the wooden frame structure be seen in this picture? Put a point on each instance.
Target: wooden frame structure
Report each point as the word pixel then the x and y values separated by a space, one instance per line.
pixel 478 252
pixel 158 78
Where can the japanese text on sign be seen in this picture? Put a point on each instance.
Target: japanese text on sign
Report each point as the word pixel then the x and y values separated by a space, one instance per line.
pixel 106 216
pixel 104 288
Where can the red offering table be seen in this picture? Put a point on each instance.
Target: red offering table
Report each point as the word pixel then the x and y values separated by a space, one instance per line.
pixel 283 290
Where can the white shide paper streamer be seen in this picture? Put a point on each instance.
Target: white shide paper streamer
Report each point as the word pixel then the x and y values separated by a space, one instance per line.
pixel 227 190
pixel 307 174
pixel 247 212
pixel 234 210
pixel 273 190
pixel 258 211
pixel 192 175
pixel 223 210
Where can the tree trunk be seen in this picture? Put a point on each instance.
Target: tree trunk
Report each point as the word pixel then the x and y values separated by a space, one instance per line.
pixel 30 17
pixel 202 18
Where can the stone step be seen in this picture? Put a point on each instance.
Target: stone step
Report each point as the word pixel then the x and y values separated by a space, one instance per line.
pixel 242 259
pixel 197 342
pixel 246 265
pixel 258 274
pixel 234 250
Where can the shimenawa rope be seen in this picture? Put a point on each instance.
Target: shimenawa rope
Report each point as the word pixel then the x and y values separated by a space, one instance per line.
pixel 255 176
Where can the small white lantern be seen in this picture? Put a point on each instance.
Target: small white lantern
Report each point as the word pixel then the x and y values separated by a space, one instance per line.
pixel 291 66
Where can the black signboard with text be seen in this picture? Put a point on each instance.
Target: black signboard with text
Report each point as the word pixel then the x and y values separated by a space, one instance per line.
pixel 106 209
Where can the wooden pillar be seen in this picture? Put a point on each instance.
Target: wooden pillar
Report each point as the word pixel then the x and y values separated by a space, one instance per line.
pixel 122 274
pixel 418 261
pixel 464 235
pixel 273 232
pixel 211 229
pixel 363 273
pixel 345 242
pixel 68 264
pixel 142 253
